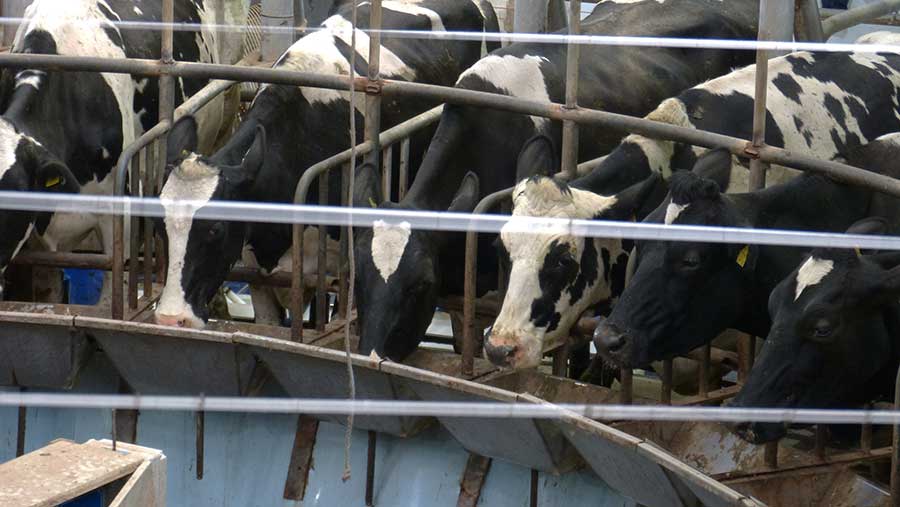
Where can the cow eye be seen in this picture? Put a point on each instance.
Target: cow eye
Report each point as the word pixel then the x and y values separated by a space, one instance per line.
pixel 822 329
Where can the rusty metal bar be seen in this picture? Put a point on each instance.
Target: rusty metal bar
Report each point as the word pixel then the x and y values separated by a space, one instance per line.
pixel 134 239
pixel 370 466
pixel 387 167
pixel 403 177
pixel 627 382
pixel 852 17
pixel 297 302
pixel 63 260
pixel 474 477
pixel 201 431
pixel 865 436
pixel 666 394
pixel 757 167
pixel 21 425
pixel 771 454
pixel 570 128
pixel 322 254
pixel 301 458
pixel 884 21
pixel 373 97
pixel 469 292
pixel 534 488
pixel 705 359
pixel 821 439
pixel 150 243
pixel 561 361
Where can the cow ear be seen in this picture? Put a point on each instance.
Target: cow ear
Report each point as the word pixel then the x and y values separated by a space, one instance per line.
pixel 367 188
pixel 869 226
pixel 537 158
pixel 54 176
pixel 636 197
pixel 256 154
pixel 466 197
pixel 182 139
pixel 715 165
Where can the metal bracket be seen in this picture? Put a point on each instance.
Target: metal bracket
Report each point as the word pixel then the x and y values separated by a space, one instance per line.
pixel 373 86
pixel 752 151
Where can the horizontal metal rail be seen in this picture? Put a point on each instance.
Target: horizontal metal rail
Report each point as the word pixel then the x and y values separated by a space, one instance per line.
pixel 852 17
pixel 313 406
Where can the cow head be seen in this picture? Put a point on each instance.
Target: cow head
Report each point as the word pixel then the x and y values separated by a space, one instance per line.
pixel 682 294
pixel 555 276
pixel 26 166
pixel 834 327
pixel 398 275
pixel 201 252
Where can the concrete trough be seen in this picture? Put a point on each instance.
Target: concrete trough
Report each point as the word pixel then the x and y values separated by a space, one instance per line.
pixel 172 361
pixel 41 351
pixel 306 371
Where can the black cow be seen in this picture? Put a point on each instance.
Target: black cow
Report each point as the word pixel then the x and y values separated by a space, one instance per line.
pixel 63 132
pixel 287 130
pixel 683 294
pixel 835 322
pixel 488 142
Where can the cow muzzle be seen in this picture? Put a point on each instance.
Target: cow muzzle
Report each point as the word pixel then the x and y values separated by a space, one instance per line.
pixel 509 351
pixel 185 320
pixel 612 343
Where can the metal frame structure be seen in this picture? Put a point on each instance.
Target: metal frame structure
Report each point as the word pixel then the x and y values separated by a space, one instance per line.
pixel 809 27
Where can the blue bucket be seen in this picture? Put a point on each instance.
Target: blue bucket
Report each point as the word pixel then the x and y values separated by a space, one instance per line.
pixel 84 285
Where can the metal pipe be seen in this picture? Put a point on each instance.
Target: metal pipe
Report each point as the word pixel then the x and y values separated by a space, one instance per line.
pixel 570 128
pixel 150 243
pixel 373 98
pixel 322 262
pixel 467 366
pixel 626 380
pixel 865 437
pixel 771 455
pixel 403 177
pixel 561 361
pixel 199 443
pixel 852 17
pixel 895 452
pixel 807 22
pixel 821 438
pixel 884 21
pixel 705 359
pixel 134 239
pixel 370 468
pixel 666 394
pixel 21 425
pixel 758 167
pixel 63 260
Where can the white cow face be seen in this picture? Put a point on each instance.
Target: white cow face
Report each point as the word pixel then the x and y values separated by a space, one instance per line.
pixel 554 276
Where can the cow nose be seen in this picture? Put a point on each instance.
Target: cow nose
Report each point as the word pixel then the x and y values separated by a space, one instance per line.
pixel 499 355
pixel 171 320
pixel 608 338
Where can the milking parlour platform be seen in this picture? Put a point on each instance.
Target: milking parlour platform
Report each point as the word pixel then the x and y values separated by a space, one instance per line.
pixel 260 459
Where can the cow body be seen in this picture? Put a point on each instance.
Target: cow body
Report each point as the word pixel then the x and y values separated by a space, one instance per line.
pixel 78 122
pixel 835 318
pixel 294 128
pixel 487 142
pixel 683 294
pixel 821 105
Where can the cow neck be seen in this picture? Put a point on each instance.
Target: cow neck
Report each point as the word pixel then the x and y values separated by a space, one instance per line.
pixel 439 177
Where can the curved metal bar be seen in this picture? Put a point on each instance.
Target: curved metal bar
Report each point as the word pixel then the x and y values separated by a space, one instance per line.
pixel 846 19
pixel 320 169
pixel 468 349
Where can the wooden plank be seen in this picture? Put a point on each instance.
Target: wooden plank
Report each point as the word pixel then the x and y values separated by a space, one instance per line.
pixel 60 472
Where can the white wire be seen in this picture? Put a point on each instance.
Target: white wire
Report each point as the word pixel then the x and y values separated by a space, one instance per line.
pixel 485 410
pixel 478 36
pixel 438 221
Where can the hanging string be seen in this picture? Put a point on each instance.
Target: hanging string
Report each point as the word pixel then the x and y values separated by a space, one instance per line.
pixel 351 380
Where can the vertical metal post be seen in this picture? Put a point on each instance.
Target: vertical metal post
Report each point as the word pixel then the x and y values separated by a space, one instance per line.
pixel 666 395
pixel 403 183
pixel 757 167
pixel 561 361
pixel 161 253
pixel 534 487
pixel 344 272
pixel 865 437
pixel 135 239
pixel 149 234
pixel 895 448
pixel 373 93
pixel 370 469
pixel 705 358
pixel 771 455
pixel 570 128
pixel 387 168
pixel 297 302
pixel 201 430
pixel 321 292
pixel 20 430
pixel 821 438
pixel 626 381
pixel 469 289
pixel 530 16
pixel 808 22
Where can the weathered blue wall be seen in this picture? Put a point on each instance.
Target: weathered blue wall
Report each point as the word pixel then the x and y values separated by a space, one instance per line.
pixel 247 456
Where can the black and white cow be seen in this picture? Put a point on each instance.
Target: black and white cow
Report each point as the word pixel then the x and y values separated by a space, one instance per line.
pixel 821 105
pixel 683 294
pixel 64 131
pixel 426 264
pixel 287 130
pixel 835 321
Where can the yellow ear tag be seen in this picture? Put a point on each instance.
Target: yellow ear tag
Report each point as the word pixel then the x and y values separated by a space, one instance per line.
pixel 858 253
pixel 52 182
pixel 185 153
pixel 742 256
pixel 372 203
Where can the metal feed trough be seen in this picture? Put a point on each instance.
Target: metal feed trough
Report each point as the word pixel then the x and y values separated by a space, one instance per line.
pixel 48 351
